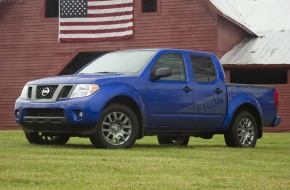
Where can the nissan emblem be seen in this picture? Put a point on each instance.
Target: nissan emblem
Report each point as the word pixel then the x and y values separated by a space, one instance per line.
pixel 45 91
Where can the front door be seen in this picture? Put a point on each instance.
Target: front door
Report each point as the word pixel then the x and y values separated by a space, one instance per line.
pixel 170 98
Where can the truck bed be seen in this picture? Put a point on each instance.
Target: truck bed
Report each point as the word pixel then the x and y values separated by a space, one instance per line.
pixel 263 94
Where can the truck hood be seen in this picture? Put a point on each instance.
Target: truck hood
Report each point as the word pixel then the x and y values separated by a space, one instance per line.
pixel 77 79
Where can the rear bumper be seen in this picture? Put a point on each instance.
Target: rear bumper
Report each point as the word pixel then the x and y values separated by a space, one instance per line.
pixel 276 121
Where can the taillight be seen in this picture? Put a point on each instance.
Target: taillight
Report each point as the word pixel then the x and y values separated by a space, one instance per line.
pixel 276 98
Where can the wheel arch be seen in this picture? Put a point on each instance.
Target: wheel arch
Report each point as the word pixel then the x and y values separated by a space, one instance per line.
pixel 243 102
pixel 132 104
pixel 253 110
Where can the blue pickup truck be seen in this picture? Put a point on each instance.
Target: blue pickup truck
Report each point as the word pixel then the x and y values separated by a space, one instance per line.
pixel 123 96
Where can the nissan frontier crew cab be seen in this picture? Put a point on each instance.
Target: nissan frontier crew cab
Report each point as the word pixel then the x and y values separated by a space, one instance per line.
pixel 125 95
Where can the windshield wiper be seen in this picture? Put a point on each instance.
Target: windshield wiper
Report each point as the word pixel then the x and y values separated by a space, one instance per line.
pixel 106 72
pixel 103 72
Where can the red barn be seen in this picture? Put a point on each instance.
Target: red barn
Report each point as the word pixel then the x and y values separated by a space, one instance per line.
pixel 265 59
pixel 30 47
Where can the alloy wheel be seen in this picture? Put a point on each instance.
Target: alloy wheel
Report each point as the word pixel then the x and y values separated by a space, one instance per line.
pixel 116 128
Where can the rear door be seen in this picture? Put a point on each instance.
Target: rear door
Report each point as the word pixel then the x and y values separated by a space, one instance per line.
pixel 209 93
pixel 170 99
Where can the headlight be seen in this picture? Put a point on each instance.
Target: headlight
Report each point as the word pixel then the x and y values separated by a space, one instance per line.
pixel 24 92
pixel 82 90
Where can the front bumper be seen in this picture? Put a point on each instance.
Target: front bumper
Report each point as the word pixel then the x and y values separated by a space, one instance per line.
pixel 62 116
pixel 276 121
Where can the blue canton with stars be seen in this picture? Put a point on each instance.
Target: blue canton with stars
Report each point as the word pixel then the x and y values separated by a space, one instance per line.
pixel 73 8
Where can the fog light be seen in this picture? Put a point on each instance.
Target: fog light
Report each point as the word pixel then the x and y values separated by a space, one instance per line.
pixel 81 115
pixel 17 114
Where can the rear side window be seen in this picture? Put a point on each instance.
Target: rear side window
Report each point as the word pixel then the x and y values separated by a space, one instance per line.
pixel 175 62
pixel 203 69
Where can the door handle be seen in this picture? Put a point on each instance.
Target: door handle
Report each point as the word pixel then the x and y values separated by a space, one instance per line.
pixel 186 89
pixel 218 90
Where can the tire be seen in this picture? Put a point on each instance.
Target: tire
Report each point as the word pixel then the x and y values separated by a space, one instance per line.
pixel 169 140
pixel 45 139
pixel 229 139
pixel 243 132
pixel 118 128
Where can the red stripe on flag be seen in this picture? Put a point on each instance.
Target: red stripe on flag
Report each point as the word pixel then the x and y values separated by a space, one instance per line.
pixel 110 6
pixel 95 23
pixel 95 31
pixel 111 14
pixel 95 39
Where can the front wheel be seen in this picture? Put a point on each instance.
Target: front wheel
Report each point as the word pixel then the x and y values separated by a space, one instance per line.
pixel 45 139
pixel 172 140
pixel 118 128
pixel 243 131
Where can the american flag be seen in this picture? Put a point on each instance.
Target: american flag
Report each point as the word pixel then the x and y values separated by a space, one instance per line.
pixel 95 20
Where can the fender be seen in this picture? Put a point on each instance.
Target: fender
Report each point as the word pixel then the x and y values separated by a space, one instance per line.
pixel 235 104
pixel 112 90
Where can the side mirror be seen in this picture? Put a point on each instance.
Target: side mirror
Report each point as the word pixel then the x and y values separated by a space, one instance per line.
pixel 161 72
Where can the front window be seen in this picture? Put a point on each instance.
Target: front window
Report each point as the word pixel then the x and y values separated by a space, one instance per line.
pixel 175 62
pixel 123 62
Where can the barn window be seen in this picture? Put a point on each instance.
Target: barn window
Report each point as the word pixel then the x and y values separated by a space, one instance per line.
pixel 51 8
pixel 149 6
pixel 259 76
pixel 80 61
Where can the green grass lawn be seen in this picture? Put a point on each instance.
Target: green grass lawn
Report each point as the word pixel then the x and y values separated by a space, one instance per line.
pixel 204 164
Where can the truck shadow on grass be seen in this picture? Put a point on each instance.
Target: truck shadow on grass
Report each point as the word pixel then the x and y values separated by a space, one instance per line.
pixel 144 146
pixel 136 146
pixel 173 146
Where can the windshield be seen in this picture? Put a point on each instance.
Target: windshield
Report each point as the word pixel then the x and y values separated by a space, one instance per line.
pixel 124 62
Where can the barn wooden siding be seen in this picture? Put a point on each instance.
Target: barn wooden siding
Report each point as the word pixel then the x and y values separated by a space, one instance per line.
pixel 29 47
pixel 284 104
pixel 229 35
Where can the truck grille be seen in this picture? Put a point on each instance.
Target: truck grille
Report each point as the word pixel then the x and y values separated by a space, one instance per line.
pixel 41 112
pixel 45 92
pixel 65 92
pixel 29 94
pixel 49 93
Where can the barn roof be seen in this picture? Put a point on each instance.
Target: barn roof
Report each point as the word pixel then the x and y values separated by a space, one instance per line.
pixel 271 48
pixel 270 20
pixel 227 9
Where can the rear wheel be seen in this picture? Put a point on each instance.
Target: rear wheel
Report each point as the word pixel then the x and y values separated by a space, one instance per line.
pixel 172 140
pixel 118 128
pixel 243 132
pixel 45 139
